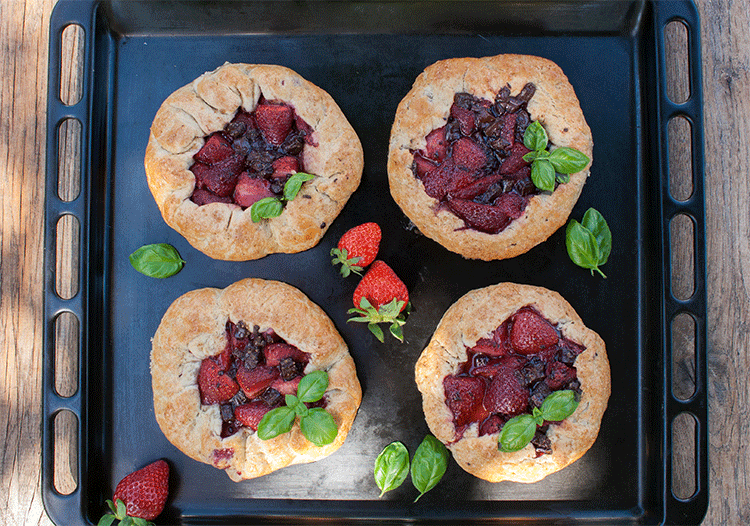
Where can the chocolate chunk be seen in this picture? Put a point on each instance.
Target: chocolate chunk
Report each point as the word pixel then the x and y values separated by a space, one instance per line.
pixel 271 396
pixel 539 393
pixel 288 368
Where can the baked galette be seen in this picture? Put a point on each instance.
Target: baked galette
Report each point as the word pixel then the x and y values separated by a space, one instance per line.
pixel 237 135
pixel 498 353
pixel 458 164
pixel 224 358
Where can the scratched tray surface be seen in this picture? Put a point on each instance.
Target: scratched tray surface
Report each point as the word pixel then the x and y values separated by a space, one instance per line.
pixel 366 55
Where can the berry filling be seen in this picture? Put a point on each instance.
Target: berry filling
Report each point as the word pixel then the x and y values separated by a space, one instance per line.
pixel 250 376
pixel 474 164
pixel 510 373
pixel 252 157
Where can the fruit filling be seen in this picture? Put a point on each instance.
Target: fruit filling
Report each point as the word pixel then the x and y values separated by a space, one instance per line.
pixel 252 157
pixel 511 372
pixel 250 376
pixel 474 164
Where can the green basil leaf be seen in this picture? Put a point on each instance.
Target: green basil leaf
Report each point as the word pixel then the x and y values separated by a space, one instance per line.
pixel 159 260
pixel 319 427
pixel 535 154
pixel 563 178
pixel 428 465
pixel 301 410
pixel 291 401
pixel 581 244
pixel 391 467
pixel 294 183
pixel 536 414
pixel 595 223
pixel 535 137
pixel 559 405
pixel 313 386
pixel 516 433
pixel 543 175
pixel 276 422
pixel 266 208
pixel 568 160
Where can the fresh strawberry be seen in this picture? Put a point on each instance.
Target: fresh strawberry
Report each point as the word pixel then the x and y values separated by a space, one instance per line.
pixel 485 218
pixel 506 395
pixel 143 493
pixel 514 161
pixel 380 297
pixel 250 190
pixel 214 385
pixel 468 155
pixel 251 413
pixel 284 167
pixel 274 121
pixel 357 248
pixel 465 118
pixel 531 333
pixel 216 149
pixel 276 352
pixel 254 381
pixel 436 146
pixel 558 374
pixel 464 395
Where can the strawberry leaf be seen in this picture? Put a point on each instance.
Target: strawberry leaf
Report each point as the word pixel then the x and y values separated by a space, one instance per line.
pixel 397 331
pixel 348 265
pixel 106 520
pixel 376 330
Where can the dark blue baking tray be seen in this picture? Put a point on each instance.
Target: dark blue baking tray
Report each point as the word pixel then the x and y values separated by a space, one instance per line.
pixel 366 55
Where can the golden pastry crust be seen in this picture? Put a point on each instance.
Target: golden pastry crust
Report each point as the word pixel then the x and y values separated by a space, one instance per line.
pixel 193 328
pixel 225 231
pixel 476 315
pixel 427 106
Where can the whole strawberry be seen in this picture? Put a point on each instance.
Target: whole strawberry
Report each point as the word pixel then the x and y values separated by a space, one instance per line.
pixel 380 298
pixel 140 496
pixel 357 248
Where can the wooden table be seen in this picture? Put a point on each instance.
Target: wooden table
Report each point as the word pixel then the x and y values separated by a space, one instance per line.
pixel 725 26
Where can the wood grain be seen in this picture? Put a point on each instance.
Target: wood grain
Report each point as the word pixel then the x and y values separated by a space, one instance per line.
pixel 725 27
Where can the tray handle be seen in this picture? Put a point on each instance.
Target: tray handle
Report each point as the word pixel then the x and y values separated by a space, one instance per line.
pixel 65 508
pixel 679 509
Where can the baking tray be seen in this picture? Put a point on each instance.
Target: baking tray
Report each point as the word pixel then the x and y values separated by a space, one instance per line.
pixel 366 55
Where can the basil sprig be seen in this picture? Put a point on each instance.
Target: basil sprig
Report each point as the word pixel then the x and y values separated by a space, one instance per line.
pixel 316 423
pixel 159 260
pixel 428 465
pixel 520 430
pixel 391 467
pixel 269 207
pixel 550 167
pixel 589 243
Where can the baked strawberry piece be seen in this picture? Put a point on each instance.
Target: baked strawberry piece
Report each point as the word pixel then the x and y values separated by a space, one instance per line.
pixel 252 157
pixel 474 164
pixel 250 376
pixel 511 372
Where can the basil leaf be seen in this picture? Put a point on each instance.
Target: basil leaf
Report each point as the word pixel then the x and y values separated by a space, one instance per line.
pixel 266 208
pixel 313 386
pixel 319 427
pixel 568 160
pixel 159 260
pixel 559 405
pixel 543 175
pixel 535 136
pixel 581 245
pixel 294 183
pixel 291 400
pixel 563 178
pixel 516 433
pixel 428 465
pixel 276 422
pixel 391 467
pixel 595 223
pixel 536 414
pixel 535 154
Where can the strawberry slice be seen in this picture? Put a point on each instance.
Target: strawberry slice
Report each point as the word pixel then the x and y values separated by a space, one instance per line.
pixel 203 197
pixel 276 352
pixel 250 190
pixel 357 248
pixel 477 187
pixel 558 374
pixel 220 178
pixel 251 413
pixel 491 426
pixel 485 218
pixel 510 204
pixel 216 149
pixel 274 121
pixel 506 395
pixel 514 161
pixel 465 118
pixel 288 386
pixel 468 155
pixel 488 347
pixel 254 381
pixel 436 147
pixel 505 365
pixel 214 385
pixel 531 333
pixel 421 165
pixel 284 167
pixel 144 493
pixel 464 395
pixel 436 180
pixel 508 132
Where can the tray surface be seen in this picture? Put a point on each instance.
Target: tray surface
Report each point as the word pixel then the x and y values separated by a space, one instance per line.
pixel 136 58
